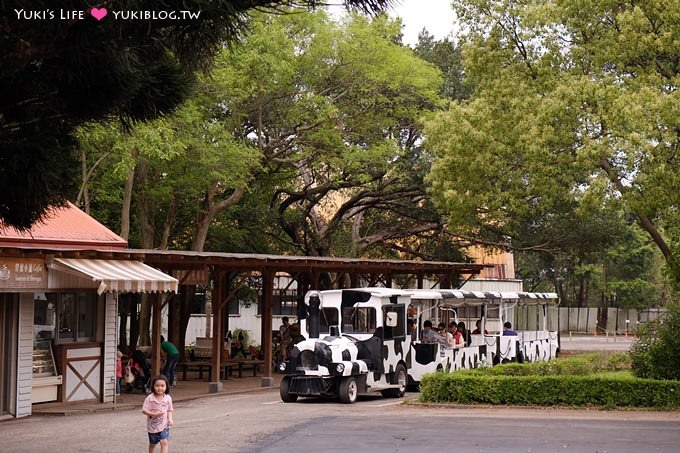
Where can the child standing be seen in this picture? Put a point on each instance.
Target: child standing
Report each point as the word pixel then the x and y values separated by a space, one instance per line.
pixel 158 410
pixel 119 371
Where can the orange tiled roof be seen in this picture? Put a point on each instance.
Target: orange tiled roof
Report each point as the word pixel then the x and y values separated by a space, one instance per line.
pixel 68 228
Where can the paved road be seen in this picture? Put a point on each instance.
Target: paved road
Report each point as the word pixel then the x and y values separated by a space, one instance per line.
pixel 596 343
pixel 260 422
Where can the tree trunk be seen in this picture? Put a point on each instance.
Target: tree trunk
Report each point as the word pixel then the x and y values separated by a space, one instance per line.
pixel 645 222
pixel 583 291
pixel 84 202
pixel 134 322
pixel 145 320
pixel 210 211
pixel 146 228
pixel 169 220
pixel 186 295
pixel 127 200
pixel 123 311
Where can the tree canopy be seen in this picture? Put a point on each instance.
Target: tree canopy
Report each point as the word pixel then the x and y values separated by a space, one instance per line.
pixel 59 73
pixel 303 138
pixel 574 112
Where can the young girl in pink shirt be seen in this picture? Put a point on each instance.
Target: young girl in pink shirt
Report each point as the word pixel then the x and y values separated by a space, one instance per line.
pixel 158 410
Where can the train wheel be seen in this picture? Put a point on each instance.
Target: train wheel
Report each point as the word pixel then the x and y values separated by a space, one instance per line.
pixel 284 389
pixel 349 390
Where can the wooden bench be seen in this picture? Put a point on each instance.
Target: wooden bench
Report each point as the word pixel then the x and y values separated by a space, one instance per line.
pixel 200 365
pixel 228 367
pixel 240 363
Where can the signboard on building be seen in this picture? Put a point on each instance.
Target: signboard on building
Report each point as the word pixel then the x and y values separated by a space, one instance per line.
pixel 26 273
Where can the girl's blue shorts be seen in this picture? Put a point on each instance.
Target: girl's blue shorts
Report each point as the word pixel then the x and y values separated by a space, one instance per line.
pixel 155 438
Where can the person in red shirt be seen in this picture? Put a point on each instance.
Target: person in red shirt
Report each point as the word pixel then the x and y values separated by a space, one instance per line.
pixel 454 337
pixel 478 330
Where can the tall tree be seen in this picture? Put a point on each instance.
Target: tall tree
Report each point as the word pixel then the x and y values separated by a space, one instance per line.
pixel 445 55
pixel 574 101
pixel 58 74
pixel 334 107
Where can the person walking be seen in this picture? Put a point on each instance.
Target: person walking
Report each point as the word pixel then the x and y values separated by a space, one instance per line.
pixel 284 336
pixel 158 410
pixel 171 359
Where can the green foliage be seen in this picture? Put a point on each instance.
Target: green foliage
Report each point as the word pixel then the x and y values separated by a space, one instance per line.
pixel 567 119
pixel 580 365
pixel 447 57
pixel 656 354
pixel 315 120
pixel 588 380
pixel 59 74
pixel 607 391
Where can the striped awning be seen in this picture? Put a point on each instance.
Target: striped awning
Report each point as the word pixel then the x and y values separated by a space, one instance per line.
pixel 117 275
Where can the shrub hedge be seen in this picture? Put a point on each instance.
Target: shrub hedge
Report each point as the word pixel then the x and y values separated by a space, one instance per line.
pixel 599 390
pixel 579 381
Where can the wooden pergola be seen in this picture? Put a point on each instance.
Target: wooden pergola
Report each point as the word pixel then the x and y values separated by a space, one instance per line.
pixel 310 273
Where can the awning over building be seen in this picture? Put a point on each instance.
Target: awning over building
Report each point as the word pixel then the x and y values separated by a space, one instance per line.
pixel 122 276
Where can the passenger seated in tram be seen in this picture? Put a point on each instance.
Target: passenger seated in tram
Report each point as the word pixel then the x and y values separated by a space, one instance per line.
pixel 411 329
pixel 478 330
pixel 454 337
pixel 428 335
pixel 441 335
pixel 465 333
pixel 507 329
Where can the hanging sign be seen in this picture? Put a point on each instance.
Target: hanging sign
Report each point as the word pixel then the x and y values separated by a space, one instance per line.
pixel 18 273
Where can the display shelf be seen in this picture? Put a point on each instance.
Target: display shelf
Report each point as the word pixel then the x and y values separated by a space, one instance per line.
pixel 43 359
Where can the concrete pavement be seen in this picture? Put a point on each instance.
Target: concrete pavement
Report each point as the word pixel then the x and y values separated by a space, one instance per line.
pixel 190 389
pixel 582 343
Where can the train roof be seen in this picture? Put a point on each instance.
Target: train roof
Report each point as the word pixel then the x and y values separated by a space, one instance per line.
pixel 463 297
pixel 456 296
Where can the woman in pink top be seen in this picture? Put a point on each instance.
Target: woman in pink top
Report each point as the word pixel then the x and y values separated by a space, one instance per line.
pixel 158 410
pixel 119 371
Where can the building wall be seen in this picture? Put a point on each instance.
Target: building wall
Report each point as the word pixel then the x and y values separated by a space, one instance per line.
pixel 110 347
pixel 493 285
pixel 504 262
pixel 25 357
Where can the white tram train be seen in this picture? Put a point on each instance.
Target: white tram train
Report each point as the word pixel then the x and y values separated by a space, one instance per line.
pixel 356 340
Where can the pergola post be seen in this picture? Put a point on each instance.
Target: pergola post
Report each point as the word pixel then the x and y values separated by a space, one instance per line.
pixel 266 340
pixel 156 334
pixel 215 384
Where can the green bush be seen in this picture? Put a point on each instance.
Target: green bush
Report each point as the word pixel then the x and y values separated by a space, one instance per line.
pixel 606 390
pixel 656 355
pixel 580 365
pixel 586 380
pixel 619 361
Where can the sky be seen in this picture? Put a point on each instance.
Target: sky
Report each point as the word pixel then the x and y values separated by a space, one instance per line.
pixel 435 15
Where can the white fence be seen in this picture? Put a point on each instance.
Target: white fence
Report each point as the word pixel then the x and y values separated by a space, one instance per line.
pixel 619 320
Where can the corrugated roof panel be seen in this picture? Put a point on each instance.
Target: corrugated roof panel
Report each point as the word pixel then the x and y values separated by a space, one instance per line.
pixel 66 227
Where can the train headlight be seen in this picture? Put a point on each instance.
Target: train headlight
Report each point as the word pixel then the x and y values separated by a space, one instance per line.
pixel 282 367
pixel 339 368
